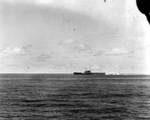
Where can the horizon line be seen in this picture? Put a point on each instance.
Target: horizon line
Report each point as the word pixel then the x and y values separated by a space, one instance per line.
pixel 71 73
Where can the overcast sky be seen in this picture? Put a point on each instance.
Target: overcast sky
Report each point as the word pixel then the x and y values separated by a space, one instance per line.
pixel 71 35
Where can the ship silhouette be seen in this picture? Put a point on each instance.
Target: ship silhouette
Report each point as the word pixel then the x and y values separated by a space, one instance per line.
pixel 89 72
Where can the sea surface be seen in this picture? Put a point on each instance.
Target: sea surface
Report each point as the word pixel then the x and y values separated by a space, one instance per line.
pixel 69 97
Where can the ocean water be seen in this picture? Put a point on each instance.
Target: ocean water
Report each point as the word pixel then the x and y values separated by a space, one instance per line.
pixel 63 97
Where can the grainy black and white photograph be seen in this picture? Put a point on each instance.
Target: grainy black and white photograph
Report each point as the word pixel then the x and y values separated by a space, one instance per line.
pixel 74 59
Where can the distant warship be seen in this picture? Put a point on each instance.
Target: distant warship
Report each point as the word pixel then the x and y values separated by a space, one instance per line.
pixel 88 72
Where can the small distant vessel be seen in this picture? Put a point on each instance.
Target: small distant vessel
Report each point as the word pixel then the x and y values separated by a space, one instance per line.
pixel 89 72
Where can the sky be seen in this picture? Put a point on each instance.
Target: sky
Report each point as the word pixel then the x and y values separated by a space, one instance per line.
pixel 38 36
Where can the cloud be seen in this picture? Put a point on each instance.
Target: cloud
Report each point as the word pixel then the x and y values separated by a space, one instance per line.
pixel 76 46
pixel 44 2
pixel 117 52
pixel 99 53
pixel 112 52
pixel 15 51
pixel 42 57
pixel 68 41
